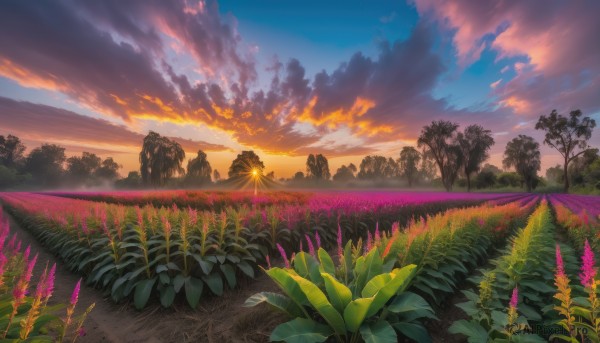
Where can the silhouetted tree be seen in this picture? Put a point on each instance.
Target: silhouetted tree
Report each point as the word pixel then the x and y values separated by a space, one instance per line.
pixel 555 174
pixel 216 176
pixel 198 169
pixel 438 139
pixel 108 170
pixel 491 168
pixel 427 168
pixel 298 176
pixel 317 167
pixel 485 179
pixel 377 168
pixel 132 181
pixel 80 169
pixel 509 179
pixel 160 159
pixel 567 135
pixel 409 164
pixel 345 173
pixel 523 153
pixel 271 175
pixel 45 164
pixel 474 145
pixel 11 151
pixel 244 163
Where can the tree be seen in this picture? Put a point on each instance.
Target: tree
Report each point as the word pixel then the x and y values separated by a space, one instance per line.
pixel 555 174
pixel 45 164
pixel 198 169
pixel 108 170
pixel 491 168
pixel 299 176
pixel 317 167
pixel 132 181
pixel 216 176
pixel 427 169
pixel 271 175
pixel 578 168
pixel 11 151
pixel 81 169
pixel 160 159
pixel 409 164
pixel 438 140
pixel 567 135
pixel 345 173
pixel 523 153
pixel 509 179
pixel 244 163
pixel 485 179
pixel 377 168
pixel 474 145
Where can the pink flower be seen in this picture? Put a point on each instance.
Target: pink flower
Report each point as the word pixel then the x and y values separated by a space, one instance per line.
pixel 588 271
pixel 284 255
pixel 376 236
pixel 49 286
pixel 81 332
pixel 311 248
pixel 75 294
pixel 317 239
pixel 560 266
pixel 514 299
pixel 369 244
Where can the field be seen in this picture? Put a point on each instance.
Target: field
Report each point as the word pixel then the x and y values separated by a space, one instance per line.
pixel 300 266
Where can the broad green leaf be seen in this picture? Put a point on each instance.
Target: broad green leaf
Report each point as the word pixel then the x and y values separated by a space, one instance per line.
pixel 475 333
pixel 355 313
pixel 215 283
pixel 326 261
pixel 229 273
pixel 378 332
pixel 288 285
pixel 167 295
pixel 375 284
pixel 193 291
pixel 371 266
pixel 301 264
pixel 401 278
pixel 415 331
pixel 411 306
pixel 279 301
pixel 319 301
pixel 301 330
pixel 338 293
pixel 142 293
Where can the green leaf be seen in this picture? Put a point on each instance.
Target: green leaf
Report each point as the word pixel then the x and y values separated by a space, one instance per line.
pixel 401 278
pixel 355 313
pixel 288 285
pixel 326 261
pixel 475 332
pixel 279 301
pixel 414 331
pixel 378 332
pixel 371 266
pixel 167 295
pixel 229 273
pixel 319 301
pixel 338 293
pixel 301 330
pixel 142 293
pixel 193 291
pixel 411 306
pixel 215 283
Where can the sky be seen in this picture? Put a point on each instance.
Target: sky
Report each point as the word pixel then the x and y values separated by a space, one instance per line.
pixel 290 78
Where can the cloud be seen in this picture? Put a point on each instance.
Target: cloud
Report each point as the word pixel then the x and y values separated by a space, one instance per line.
pixel 47 123
pixel 553 54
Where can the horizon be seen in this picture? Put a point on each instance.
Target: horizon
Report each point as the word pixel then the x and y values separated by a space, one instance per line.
pixel 287 79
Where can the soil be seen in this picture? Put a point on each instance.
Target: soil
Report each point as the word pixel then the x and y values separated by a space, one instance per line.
pixel 217 319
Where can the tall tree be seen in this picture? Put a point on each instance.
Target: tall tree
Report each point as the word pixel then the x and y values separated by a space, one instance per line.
pixel 567 136
pixel 438 139
pixel 474 145
pixel 555 174
pixel 216 176
pixel 244 163
pixel 298 176
pixel 108 170
pixel 409 164
pixel 45 164
pixel 160 159
pixel 198 169
pixel 523 153
pixel 377 168
pixel 11 151
pixel 427 169
pixel 317 167
pixel 80 169
pixel 345 173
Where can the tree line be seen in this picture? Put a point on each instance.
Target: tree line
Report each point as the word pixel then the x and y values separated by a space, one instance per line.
pixel 443 155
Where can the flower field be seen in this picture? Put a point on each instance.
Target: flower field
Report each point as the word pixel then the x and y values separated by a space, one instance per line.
pixel 350 266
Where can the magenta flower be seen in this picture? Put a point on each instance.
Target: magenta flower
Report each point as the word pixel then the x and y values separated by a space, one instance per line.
pixel 49 287
pixel 26 253
pixel 311 248
pixel 588 270
pixel 514 299
pixel 369 244
pixel 284 255
pixel 560 265
pixel 376 236
pixel 75 294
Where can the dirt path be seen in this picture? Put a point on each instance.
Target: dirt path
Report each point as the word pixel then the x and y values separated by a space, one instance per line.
pixel 217 319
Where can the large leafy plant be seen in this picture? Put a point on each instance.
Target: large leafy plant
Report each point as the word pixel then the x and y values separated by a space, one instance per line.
pixel 362 298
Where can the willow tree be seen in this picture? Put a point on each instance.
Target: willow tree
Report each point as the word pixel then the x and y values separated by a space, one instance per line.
pixel 569 136
pixel 199 169
pixel 160 159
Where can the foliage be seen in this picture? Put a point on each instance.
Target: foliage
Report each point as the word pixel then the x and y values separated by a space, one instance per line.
pixel 198 169
pixel 11 151
pixel 474 145
pixel 317 167
pixel 523 153
pixel 343 173
pixel 377 168
pixel 160 159
pixel 438 140
pixel 408 164
pixel 244 163
pixel 45 164
pixel 566 135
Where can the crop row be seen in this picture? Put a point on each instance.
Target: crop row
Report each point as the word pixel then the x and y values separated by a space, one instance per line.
pixel 143 251
pixel 394 285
